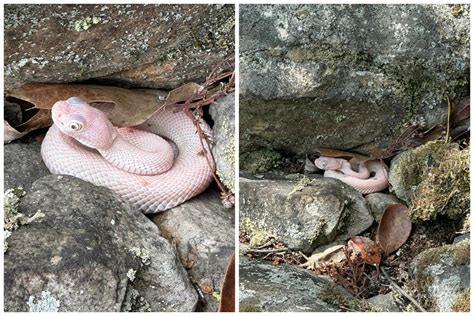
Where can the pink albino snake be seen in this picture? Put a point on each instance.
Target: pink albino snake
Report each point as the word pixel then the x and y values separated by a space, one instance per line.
pixel 135 162
pixel 360 180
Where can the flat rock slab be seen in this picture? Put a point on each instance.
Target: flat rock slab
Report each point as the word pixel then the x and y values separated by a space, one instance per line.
pixel 265 287
pixel 347 76
pixel 204 234
pixel 82 252
pixel 150 46
pixel 325 211
pixel 23 165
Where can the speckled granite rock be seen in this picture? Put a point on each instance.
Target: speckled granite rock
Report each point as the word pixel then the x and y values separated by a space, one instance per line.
pixel 325 211
pixel 23 165
pixel 347 76
pixel 377 203
pixel 154 46
pixel 442 274
pixel 204 232
pixel 89 253
pixel 222 113
pixel 268 288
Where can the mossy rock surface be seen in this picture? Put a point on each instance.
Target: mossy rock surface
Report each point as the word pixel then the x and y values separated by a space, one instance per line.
pixel 347 76
pixel 434 180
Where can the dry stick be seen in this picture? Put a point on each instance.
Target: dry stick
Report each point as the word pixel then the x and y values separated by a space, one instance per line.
pixel 303 255
pixel 207 150
pixel 449 119
pixel 266 250
pixel 399 289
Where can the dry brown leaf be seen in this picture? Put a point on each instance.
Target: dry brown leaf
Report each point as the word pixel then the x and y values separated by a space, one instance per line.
pixel 41 119
pixel 10 134
pixel 394 228
pixel 227 303
pixel 335 153
pixel 184 93
pixel 131 107
pixel 368 250
pixel 206 286
pixel 332 254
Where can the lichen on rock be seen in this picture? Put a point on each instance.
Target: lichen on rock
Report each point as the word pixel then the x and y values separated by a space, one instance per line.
pixel 256 235
pixel 134 302
pixel 441 275
pixel 12 217
pixel 46 303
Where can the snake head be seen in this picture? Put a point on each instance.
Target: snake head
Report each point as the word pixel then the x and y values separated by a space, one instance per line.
pixel 86 124
pixel 327 163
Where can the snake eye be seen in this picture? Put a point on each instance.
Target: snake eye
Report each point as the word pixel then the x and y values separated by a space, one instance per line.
pixel 75 126
pixel 74 101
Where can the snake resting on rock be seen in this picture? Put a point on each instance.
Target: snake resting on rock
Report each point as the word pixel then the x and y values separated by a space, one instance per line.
pixel 155 166
pixel 371 177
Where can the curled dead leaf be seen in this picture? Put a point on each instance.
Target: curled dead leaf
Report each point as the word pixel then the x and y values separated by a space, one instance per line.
pixel 351 157
pixel 368 250
pixel 189 91
pixel 131 107
pixel 206 286
pixel 394 228
pixel 332 254
pixel 10 133
pixel 227 303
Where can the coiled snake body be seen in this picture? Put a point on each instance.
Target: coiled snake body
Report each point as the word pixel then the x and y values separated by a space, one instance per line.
pixel 138 165
pixel 371 177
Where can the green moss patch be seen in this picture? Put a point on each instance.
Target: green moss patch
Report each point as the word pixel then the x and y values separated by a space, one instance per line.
pixel 261 160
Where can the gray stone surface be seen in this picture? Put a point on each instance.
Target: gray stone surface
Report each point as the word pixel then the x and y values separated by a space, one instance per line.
pixel 462 237
pixel 204 234
pixel 222 112
pixel 22 165
pixel 264 287
pixel 81 253
pixel 442 274
pixel 377 203
pixel 347 76
pixel 325 211
pixel 153 46
pixel 385 302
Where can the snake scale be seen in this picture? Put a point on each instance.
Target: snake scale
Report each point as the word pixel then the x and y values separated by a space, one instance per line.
pixel 153 173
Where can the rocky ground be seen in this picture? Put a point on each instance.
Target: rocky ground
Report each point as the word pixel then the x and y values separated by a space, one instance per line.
pixel 364 79
pixel 73 246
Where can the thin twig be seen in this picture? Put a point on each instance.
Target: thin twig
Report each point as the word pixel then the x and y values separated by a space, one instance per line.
pixel 449 120
pixel 399 289
pixel 303 255
pixel 266 250
pixel 267 244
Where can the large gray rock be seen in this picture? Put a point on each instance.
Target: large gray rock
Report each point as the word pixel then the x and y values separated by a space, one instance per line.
pixel 325 211
pixel 442 275
pixel 264 287
pixel 154 46
pixel 203 231
pixel 84 252
pixel 23 165
pixel 347 76
pixel 222 113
